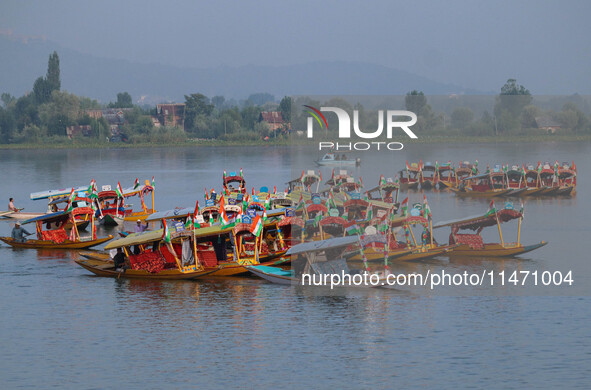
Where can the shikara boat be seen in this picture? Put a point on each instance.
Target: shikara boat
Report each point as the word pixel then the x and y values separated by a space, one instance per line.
pixel 445 175
pixel 309 181
pixel 56 237
pixel 111 208
pixel 386 191
pixel 19 215
pixel 483 186
pixel 473 245
pixel 428 177
pixel 465 170
pixel 234 182
pixel 410 177
pixel 170 253
pixel 143 193
pixel 315 261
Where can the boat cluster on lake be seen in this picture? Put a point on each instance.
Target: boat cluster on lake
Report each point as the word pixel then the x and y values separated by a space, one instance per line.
pixel 513 180
pixel 311 227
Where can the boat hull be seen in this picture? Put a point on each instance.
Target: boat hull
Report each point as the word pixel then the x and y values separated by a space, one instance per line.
pixel 273 275
pixel 42 244
pixel 19 215
pixel 480 194
pixel 111 220
pixel 495 250
pixel 107 269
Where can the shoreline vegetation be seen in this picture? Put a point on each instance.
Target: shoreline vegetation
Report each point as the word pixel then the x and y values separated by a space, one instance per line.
pixel 296 141
pixel 50 118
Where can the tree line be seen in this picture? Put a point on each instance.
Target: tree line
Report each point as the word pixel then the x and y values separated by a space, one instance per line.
pixel 42 115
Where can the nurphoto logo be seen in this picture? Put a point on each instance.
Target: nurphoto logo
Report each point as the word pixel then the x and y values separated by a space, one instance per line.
pixel 392 119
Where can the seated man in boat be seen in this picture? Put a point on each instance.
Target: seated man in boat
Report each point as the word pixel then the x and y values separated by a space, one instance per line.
pixel 11 206
pixel 19 233
pixel 119 259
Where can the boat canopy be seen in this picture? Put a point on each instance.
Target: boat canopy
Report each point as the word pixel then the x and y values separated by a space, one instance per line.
pixel 476 177
pixel 169 214
pixel 318 246
pixel 480 221
pixel 59 215
pixel 156 235
pixel 54 193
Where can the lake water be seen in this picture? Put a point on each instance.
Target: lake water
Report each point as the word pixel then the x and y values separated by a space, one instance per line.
pixel 61 327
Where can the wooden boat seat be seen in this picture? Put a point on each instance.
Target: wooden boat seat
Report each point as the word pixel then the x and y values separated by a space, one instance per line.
pixel 58 235
pixel 206 255
pixel 474 241
pixel 149 261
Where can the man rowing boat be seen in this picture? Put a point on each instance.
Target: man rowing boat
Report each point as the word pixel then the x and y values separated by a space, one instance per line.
pixel 18 233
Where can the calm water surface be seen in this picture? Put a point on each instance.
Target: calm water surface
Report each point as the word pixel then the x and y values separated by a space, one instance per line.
pixel 61 327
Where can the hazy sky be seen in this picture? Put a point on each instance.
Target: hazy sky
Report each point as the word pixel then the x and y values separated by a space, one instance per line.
pixel 476 44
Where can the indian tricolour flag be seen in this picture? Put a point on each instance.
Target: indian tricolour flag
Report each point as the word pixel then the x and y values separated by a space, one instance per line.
pixel 224 219
pixel 119 190
pixel 166 232
pixel 491 208
pixel 136 184
pixel 352 229
pixel 70 207
pixel 257 226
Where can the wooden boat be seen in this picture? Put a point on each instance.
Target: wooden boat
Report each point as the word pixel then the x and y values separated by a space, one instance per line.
pixel 152 255
pixel 485 185
pixel 107 268
pixel 234 182
pixel 80 200
pixel 56 236
pixel 316 259
pixel 473 245
pixel 19 215
pixel 308 181
pixel 446 175
pixel 386 191
pixel 337 160
pixel 428 177
pixel 464 171
pixel 111 208
pixel 142 192
pixel 410 178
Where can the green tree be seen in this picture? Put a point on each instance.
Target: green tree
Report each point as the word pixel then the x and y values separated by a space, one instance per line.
pixel 511 102
pixel 250 116
pixel 61 111
pixel 53 72
pixel 7 125
pixel 41 90
pixel 124 100
pixel 196 104
pixel 7 99
pixel 415 101
pixel 44 86
pixel 285 108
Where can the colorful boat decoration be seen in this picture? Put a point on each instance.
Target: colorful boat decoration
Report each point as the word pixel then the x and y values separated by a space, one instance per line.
pixel 51 232
pixel 410 177
pixel 160 254
pixel 473 245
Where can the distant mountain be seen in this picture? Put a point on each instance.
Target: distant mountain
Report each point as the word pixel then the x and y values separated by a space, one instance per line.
pixel 102 78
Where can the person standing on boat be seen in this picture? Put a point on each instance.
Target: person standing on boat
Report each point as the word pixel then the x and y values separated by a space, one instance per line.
pixel 139 228
pixel 18 233
pixel 11 206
